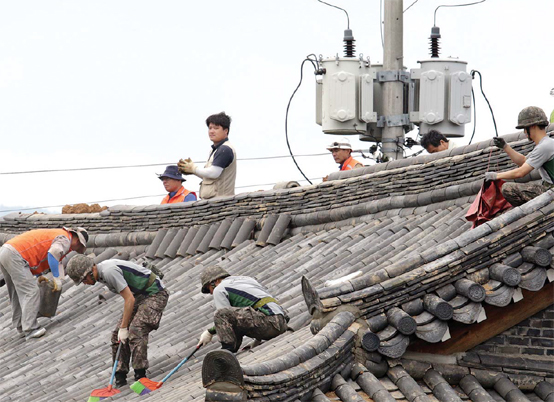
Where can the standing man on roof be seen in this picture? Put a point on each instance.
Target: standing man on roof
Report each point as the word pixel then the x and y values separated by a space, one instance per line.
pixel 32 254
pixel 145 298
pixel 219 173
pixel 243 308
pixel 533 121
pixel 173 184
pixel 434 142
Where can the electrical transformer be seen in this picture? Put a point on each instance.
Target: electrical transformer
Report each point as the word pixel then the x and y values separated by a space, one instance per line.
pixel 440 96
pixel 345 96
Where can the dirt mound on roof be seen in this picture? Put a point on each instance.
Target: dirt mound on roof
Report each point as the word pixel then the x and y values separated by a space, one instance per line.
pixel 82 208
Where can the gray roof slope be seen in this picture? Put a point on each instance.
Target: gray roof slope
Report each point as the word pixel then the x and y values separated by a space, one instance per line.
pixel 366 230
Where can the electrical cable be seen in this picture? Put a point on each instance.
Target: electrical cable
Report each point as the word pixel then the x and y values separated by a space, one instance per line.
pixel 122 199
pixel 330 5
pixel 287 117
pixel 474 115
pixel 410 6
pixel 146 165
pixel 453 5
pixel 485 96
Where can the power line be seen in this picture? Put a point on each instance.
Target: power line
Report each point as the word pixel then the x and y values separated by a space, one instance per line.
pixel 347 17
pixel 120 199
pixel 287 113
pixel 453 5
pixel 146 165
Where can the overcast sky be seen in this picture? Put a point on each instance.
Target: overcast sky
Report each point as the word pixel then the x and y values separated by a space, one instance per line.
pixel 112 83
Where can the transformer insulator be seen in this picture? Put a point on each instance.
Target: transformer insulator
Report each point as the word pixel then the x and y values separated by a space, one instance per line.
pixel 349 48
pixel 435 36
pixel 349 45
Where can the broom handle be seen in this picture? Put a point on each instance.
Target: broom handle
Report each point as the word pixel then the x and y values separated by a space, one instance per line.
pixel 115 364
pixel 179 365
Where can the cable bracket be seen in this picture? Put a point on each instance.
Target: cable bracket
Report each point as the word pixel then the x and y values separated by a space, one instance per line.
pixel 393 120
pixel 393 75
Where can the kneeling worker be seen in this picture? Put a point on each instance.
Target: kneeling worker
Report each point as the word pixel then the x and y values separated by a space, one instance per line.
pixel 533 121
pixel 243 308
pixel 145 298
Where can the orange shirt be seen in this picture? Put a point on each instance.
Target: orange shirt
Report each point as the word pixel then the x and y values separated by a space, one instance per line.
pixel 34 245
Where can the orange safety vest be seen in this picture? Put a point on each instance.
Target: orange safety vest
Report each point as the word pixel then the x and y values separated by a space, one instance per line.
pixel 349 164
pixel 33 246
pixel 178 197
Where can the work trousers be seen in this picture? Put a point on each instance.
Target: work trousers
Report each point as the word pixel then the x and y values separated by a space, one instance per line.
pixel 233 323
pixel 145 318
pixel 519 193
pixel 22 288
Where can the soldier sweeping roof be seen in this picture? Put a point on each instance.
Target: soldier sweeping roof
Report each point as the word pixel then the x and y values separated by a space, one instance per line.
pixel 145 299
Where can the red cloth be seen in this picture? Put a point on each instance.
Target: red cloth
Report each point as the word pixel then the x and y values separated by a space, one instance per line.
pixel 488 202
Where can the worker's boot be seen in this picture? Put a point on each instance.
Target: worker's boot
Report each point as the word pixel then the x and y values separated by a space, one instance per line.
pixel 140 373
pixel 120 379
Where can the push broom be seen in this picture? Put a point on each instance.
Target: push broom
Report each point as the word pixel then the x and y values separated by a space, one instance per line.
pixel 145 385
pixel 103 393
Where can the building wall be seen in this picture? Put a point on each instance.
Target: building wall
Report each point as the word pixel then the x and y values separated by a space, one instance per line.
pixel 533 336
pixel 525 348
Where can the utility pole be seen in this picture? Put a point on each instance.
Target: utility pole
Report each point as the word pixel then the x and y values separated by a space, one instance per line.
pixel 393 89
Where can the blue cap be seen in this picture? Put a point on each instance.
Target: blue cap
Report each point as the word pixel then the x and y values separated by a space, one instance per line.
pixel 172 171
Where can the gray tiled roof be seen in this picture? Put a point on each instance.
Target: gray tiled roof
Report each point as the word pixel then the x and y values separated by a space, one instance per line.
pixel 398 229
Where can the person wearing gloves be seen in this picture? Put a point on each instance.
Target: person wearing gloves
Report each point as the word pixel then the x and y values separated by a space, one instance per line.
pixel 243 308
pixel 173 184
pixel 533 121
pixel 33 254
pixel 145 298
pixel 219 173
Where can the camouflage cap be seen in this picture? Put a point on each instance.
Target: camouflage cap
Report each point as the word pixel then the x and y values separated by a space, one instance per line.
pixel 210 274
pixel 530 116
pixel 78 267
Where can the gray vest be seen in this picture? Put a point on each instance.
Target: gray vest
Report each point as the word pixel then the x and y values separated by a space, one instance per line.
pixel 225 183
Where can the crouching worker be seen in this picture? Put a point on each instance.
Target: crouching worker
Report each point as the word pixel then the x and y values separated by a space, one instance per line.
pixel 31 254
pixel 243 308
pixel 145 298
pixel 533 121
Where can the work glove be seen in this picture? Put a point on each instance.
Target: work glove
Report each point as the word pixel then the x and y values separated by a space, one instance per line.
pixel 499 142
pixel 57 282
pixel 491 176
pixel 205 338
pixel 123 335
pixel 186 166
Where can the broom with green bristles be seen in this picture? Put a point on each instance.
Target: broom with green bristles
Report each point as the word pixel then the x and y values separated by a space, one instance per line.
pixel 145 385
pixel 103 393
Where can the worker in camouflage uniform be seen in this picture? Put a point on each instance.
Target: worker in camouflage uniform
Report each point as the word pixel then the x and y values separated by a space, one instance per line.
pixel 533 121
pixel 145 298
pixel 243 308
